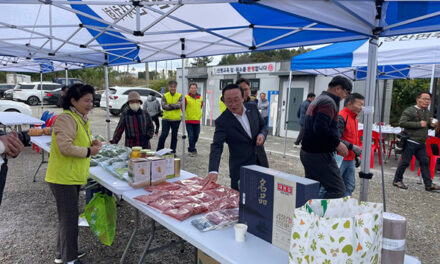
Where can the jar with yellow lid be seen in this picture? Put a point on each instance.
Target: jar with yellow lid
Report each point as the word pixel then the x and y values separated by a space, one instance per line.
pixel 135 152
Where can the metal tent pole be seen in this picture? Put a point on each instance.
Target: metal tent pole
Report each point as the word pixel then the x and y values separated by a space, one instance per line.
pixel 147 74
pixel 67 76
pixel 365 173
pixel 41 91
pixel 287 114
pixel 380 144
pixel 107 116
pixel 432 85
pixel 182 40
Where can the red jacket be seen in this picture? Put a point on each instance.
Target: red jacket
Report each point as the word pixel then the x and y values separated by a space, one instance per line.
pixel 350 133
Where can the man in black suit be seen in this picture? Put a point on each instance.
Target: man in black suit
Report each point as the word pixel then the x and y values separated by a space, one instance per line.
pixel 244 130
pixel 10 145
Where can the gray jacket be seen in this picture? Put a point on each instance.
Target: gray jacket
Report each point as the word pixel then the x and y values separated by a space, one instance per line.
pixel 152 106
pixel 263 107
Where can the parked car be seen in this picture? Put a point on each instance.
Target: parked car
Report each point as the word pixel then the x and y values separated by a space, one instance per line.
pixel 97 99
pixel 4 87
pixel 118 97
pixel 103 103
pixel 53 98
pixel 8 94
pixel 11 106
pixel 71 81
pixel 31 92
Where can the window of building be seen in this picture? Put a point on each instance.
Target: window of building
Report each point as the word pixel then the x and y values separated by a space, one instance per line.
pixel 255 85
pixel 225 82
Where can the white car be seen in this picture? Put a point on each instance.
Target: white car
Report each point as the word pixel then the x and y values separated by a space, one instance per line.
pixel 118 97
pixel 11 106
pixel 31 92
pixel 103 102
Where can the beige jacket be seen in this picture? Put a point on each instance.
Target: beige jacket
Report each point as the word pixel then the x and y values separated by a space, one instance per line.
pixel 65 132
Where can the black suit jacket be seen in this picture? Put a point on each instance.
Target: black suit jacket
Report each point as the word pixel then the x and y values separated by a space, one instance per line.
pixel 242 149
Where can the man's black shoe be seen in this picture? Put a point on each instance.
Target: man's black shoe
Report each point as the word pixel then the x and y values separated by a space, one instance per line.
pixel 433 187
pixel 400 185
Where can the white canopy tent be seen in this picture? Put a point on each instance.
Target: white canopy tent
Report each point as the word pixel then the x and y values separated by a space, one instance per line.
pixel 143 31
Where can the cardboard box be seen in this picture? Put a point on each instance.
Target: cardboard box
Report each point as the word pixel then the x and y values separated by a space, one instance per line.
pixel 158 170
pixel 267 200
pixel 169 165
pixel 139 171
pixel 202 258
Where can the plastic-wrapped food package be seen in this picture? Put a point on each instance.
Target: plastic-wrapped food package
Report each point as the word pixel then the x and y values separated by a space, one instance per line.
pixel 185 198
pixel 205 197
pixel 184 192
pixel 222 203
pixel 216 220
pixel 165 204
pixel 165 186
pixel 222 192
pixel 203 224
pixel 211 185
pixel 223 216
pixel 185 211
pixel 154 196
pixel 191 181
pixel 179 213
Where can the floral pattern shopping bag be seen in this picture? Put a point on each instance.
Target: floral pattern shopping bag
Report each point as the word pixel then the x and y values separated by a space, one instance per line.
pixel 343 231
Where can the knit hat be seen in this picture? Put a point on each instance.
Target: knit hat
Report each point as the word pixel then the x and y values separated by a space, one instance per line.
pixel 132 96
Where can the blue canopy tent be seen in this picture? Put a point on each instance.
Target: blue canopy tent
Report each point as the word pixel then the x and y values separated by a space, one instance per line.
pixel 103 32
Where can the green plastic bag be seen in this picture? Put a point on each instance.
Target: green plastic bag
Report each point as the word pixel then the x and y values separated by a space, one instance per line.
pixel 100 213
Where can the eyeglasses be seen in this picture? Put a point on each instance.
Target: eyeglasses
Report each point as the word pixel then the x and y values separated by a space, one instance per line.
pixel 425 99
pixel 233 101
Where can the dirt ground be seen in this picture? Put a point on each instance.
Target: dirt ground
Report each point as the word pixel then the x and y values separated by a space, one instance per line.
pixel 28 214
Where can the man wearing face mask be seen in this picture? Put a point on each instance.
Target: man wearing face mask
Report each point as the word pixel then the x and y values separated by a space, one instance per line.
pixel 136 123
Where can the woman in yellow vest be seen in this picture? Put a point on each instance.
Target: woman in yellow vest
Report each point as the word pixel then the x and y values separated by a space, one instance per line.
pixel 221 105
pixel 68 167
pixel 171 105
pixel 193 114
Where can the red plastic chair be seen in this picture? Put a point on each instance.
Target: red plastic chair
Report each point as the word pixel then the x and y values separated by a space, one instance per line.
pixel 50 122
pixel 374 146
pixel 432 158
pixel 413 163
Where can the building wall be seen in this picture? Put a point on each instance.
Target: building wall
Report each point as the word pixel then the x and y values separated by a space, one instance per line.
pixel 277 81
pixel 268 81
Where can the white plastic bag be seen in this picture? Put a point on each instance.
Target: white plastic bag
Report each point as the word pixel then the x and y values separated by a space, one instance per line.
pixel 343 231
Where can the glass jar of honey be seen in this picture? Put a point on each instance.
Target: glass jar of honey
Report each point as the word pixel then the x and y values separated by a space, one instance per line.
pixel 135 152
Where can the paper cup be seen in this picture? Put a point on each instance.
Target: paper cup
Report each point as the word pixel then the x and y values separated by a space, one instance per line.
pixel 240 232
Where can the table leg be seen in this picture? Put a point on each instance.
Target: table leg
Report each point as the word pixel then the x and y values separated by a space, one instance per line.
pixel 136 225
pixel 41 163
pixel 148 244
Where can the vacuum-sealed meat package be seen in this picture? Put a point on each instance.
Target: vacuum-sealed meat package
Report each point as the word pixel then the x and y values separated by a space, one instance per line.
pixel 186 211
pixel 165 186
pixel 154 196
pixel 216 220
pixel 169 203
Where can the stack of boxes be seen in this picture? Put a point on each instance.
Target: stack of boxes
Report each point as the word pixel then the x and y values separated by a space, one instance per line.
pixel 148 171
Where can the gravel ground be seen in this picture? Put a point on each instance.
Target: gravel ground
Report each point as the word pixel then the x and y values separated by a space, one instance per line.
pixel 28 213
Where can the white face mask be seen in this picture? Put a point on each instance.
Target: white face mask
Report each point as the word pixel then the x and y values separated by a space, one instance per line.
pixel 134 106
